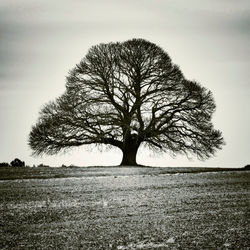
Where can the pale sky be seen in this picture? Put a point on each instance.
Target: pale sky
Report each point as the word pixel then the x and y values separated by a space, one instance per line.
pixel 41 40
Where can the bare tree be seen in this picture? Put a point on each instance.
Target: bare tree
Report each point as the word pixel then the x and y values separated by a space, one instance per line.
pixel 127 94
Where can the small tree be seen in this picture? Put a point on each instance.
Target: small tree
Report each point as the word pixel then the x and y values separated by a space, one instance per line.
pixel 17 163
pixel 125 95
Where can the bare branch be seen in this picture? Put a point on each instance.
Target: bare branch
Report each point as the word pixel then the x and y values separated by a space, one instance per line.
pixel 123 94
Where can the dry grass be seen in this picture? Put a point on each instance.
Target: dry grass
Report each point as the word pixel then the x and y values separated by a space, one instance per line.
pixel 12 173
pixel 127 210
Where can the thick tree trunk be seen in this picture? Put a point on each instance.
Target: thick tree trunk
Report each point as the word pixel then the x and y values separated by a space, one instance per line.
pixel 129 155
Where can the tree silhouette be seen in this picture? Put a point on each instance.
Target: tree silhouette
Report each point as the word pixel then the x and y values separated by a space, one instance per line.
pixel 125 95
pixel 17 163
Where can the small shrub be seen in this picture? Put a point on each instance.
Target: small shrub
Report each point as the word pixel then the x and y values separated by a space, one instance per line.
pixel 70 166
pixel 17 163
pixel 4 164
pixel 247 167
pixel 43 166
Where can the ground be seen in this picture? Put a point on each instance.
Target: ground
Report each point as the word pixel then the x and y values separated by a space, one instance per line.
pixel 127 208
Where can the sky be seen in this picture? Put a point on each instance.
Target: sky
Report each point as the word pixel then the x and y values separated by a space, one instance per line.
pixel 41 40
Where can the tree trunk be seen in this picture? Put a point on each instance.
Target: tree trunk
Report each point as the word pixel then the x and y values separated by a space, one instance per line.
pixel 129 155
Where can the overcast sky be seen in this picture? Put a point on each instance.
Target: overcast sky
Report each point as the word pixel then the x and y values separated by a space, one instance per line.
pixel 41 40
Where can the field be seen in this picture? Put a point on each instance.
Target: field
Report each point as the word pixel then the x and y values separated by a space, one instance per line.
pixel 125 208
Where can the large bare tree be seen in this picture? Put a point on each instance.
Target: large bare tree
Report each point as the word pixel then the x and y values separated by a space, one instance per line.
pixel 125 95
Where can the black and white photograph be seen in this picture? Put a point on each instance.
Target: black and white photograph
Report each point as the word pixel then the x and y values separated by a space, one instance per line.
pixel 124 124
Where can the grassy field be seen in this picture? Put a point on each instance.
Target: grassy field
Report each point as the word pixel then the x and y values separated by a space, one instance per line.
pixel 125 208
pixel 12 173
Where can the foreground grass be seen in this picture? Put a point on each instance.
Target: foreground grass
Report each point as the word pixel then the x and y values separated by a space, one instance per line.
pixel 127 211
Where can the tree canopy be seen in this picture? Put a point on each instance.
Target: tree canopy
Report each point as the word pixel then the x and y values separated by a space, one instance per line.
pixel 126 94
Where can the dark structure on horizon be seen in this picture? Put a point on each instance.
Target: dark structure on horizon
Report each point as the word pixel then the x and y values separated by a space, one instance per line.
pixel 126 94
